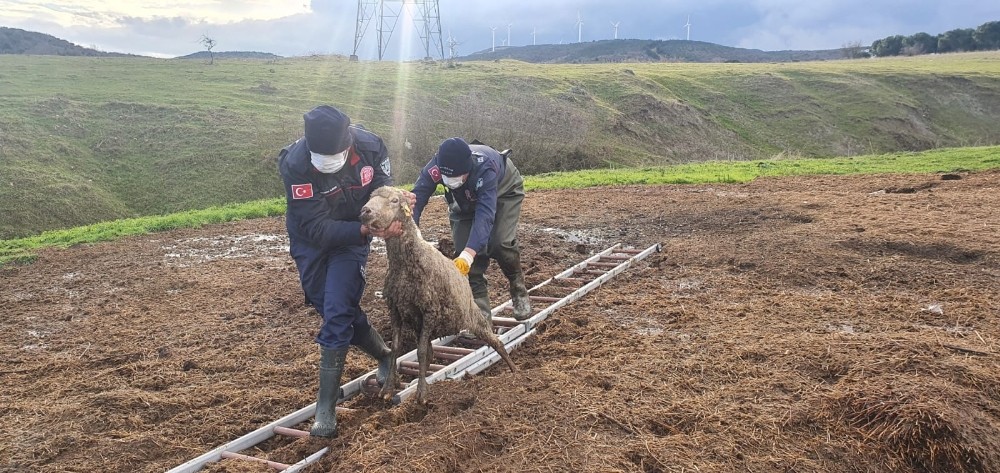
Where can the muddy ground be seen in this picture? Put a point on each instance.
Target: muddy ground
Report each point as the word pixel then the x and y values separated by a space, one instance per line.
pixel 801 324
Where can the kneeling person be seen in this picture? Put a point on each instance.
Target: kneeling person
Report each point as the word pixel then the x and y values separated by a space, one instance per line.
pixel 484 191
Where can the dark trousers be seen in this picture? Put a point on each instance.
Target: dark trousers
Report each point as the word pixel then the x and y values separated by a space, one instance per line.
pixel 333 283
pixel 502 246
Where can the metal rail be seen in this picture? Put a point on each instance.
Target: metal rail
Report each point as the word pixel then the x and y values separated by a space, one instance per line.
pixel 460 361
pixel 280 426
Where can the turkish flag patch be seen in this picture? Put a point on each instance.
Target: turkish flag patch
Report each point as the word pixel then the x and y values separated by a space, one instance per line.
pixel 367 173
pixel 435 174
pixel 302 191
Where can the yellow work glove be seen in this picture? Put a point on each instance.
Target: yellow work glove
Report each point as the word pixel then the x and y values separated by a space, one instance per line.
pixel 463 262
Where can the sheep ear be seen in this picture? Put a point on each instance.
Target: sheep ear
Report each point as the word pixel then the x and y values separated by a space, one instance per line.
pixel 406 208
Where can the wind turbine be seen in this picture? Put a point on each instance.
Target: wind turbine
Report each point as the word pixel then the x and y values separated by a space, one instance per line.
pixel 508 33
pixel 688 26
pixel 615 24
pixel 494 28
pixel 533 36
pixel 579 27
pixel 452 42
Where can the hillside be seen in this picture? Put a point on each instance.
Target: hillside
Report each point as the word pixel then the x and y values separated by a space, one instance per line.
pixel 17 41
pixel 93 139
pixel 644 50
pixel 230 55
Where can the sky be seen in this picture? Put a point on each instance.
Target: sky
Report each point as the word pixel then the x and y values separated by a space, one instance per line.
pixel 162 28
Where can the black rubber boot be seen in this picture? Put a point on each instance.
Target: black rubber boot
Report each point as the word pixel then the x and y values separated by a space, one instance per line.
pixel 372 344
pixel 331 366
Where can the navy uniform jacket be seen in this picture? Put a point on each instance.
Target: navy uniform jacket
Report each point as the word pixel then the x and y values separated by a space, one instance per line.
pixel 323 209
pixel 477 197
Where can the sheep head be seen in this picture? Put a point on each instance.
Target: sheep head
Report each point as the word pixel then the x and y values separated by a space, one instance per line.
pixel 386 205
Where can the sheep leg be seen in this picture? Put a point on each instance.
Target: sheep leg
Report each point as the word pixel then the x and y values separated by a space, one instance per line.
pixel 482 331
pixel 423 359
pixel 391 380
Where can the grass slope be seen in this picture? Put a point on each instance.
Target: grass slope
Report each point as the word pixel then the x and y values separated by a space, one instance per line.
pixel 87 140
pixel 946 160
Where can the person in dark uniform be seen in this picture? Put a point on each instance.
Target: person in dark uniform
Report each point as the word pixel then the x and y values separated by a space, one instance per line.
pixel 484 192
pixel 329 174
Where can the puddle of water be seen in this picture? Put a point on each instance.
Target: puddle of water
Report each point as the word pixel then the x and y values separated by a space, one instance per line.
pixel 578 236
pixel 205 249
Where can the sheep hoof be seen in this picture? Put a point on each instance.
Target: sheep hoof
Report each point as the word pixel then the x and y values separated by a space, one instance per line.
pixel 372 386
pixel 422 394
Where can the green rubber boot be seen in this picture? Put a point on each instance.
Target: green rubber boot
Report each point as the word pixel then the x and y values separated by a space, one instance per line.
pixel 484 306
pixel 372 344
pixel 519 297
pixel 331 366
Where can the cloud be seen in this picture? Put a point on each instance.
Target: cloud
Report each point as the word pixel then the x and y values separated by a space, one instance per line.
pixel 301 27
pixel 827 24
pixel 104 12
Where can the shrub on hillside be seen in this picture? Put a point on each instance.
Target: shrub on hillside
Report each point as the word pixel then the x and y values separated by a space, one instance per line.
pixel 544 133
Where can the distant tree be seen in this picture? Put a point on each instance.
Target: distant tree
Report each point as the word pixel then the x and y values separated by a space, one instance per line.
pixel 920 43
pixel 956 40
pixel 853 50
pixel 651 52
pixel 876 47
pixel 891 46
pixel 208 43
pixel 987 36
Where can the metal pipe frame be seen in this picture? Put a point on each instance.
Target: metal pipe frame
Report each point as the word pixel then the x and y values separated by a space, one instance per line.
pixel 247 441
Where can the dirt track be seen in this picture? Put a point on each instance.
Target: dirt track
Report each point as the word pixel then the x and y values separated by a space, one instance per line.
pixel 807 324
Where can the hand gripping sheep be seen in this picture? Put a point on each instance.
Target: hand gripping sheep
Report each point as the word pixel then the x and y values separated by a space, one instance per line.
pixel 423 290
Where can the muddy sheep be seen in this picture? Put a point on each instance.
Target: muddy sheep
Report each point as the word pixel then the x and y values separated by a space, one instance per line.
pixel 423 289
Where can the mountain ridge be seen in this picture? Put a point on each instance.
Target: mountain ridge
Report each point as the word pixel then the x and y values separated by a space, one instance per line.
pixel 647 50
pixel 18 41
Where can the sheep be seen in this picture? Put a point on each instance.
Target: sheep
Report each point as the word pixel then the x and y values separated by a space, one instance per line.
pixel 423 289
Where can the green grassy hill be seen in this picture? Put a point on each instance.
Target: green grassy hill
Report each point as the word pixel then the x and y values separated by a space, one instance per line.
pixel 18 41
pixel 84 140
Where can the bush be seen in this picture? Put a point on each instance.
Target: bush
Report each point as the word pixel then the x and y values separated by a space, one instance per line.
pixel 545 133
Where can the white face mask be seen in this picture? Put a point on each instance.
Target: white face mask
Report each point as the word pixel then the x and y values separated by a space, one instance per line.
pixel 453 182
pixel 330 163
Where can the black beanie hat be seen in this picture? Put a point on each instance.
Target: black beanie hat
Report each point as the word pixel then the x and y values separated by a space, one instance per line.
pixel 326 130
pixel 454 157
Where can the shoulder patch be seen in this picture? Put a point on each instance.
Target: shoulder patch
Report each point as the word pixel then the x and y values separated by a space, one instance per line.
pixel 435 174
pixel 386 167
pixel 302 191
pixel 367 173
